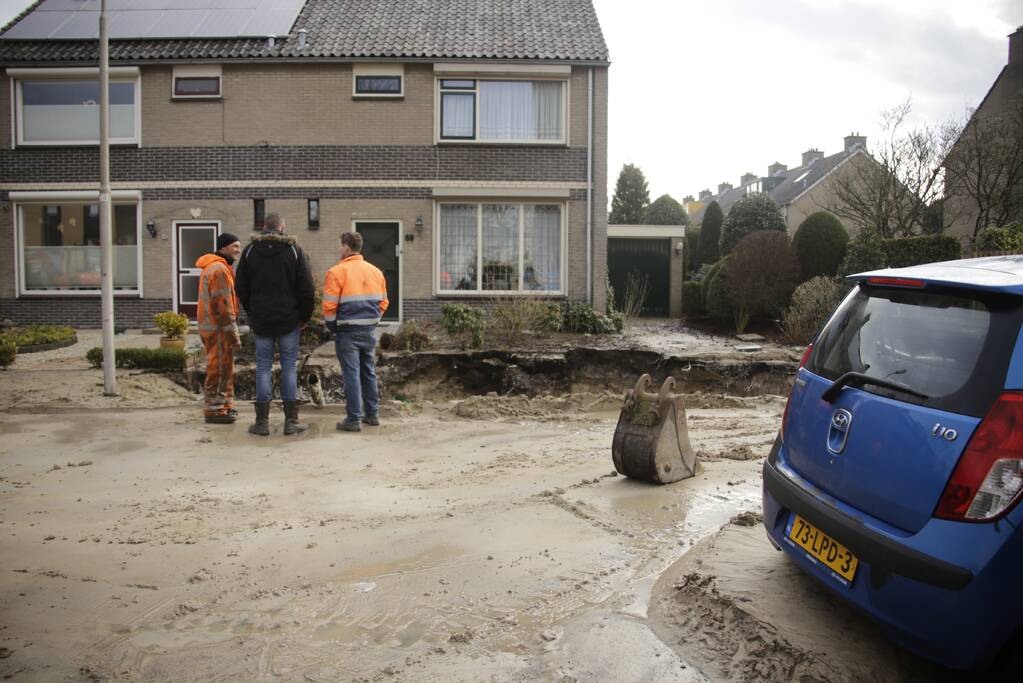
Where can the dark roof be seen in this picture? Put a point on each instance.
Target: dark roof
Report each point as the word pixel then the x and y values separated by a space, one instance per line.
pixel 556 30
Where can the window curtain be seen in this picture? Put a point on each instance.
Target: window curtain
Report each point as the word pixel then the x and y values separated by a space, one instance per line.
pixel 458 251
pixel 547 110
pixel 458 115
pixel 541 265
pixel 501 247
pixel 520 110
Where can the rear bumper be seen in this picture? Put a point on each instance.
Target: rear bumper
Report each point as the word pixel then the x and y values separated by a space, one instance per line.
pixel 884 555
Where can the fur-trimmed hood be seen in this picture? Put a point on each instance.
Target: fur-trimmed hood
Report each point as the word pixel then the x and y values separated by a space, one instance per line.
pixel 273 237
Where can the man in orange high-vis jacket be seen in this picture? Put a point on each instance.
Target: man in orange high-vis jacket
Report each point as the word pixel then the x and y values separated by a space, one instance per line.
pixel 218 328
pixel 354 298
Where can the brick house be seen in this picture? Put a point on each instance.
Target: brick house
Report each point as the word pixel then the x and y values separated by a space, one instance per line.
pixel 466 140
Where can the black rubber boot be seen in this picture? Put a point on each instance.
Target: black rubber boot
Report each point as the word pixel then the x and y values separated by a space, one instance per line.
pixel 291 423
pixel 261 427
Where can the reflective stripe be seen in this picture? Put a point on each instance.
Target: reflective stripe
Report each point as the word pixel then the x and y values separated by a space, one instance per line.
pixel 208 327
pixel 362 297
pixel 331 298
pixel 329 318
pixel 222 292
pixel 374 321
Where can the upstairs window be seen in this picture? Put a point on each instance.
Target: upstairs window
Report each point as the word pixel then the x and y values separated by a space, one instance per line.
pixel 502 111
pixel 378 85
pixel 197 81
pixel 379 81
pixel 61 107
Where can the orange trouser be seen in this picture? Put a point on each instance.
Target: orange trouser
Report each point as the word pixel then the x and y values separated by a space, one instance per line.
pixel 218 394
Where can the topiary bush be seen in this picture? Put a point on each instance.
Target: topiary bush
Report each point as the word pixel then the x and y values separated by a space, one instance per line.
pixel 706 278
pixel 8 351
pixel 762 271
pixel 865 252
pixel 820 244
pixel 692 298
pixel 753 213
pixel 710 234
pixel 464 323
pixel 141 359
pixel 812 303
pixel 579 317
pixel 1006 239
pixel 718 305
pixel 903 252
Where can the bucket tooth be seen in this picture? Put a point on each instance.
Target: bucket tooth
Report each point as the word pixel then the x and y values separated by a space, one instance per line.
pixel 651 441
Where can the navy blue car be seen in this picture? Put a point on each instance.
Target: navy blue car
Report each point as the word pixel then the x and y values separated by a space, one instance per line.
pixel 897 471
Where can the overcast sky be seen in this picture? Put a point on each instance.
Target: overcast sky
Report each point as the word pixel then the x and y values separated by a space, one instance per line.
pixel 702 91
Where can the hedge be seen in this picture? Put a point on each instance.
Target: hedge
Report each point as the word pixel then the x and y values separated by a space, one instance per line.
pixel 902 252
pixel 692 298
pixel 141 359
pixel 820 243
pixel 37 335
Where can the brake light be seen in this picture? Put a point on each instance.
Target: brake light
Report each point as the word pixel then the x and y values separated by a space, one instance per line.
pixel 988 479
pixel 896 282
pixel 785 415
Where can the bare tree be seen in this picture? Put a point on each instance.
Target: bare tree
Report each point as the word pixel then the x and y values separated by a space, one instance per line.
pixel 892 187
pixel 984 170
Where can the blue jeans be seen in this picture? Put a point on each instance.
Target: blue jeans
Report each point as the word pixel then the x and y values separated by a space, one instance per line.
pixel 265 361
pixel 355 345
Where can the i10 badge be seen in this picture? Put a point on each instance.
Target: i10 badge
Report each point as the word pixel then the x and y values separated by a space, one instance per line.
pixel 838 431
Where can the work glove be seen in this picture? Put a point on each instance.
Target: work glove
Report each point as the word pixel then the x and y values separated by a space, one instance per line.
pixel 331 326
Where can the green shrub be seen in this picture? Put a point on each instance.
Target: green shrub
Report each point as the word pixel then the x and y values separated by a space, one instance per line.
pixel 707 278
pixel 515 316
pixel 812 303
pixel 902 252
pixel 692 255
pixel 579 317
pixel 173 325
pixel 718 304
pixel 141 359
pixel 1007 239
pixel 8 351
pixel 411 336
pixel 865 252
pixel 753 213
pixel 710 234
pixel 762 272
pixel 34 335
pixel 820 243
pixel 692 298
pixel 464 323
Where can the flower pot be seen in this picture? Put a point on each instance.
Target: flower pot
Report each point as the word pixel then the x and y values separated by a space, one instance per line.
pixel 172 342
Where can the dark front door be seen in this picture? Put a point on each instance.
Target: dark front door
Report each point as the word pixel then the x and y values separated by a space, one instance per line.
pixel 380 247
pixel 631 262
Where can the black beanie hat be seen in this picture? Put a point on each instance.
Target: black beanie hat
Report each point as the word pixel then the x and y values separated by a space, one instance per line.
pixel 224 239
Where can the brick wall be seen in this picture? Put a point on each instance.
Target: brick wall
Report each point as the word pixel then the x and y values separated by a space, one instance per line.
pixel 81 311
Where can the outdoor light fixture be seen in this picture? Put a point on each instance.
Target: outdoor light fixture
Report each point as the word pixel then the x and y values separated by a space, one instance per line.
pixel 419 225
pixel 151 228
pixel 678 247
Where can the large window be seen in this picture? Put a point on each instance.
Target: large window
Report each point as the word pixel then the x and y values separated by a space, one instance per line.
pixel 502 111
pixel 59 247
pixel 500 247
pixel 64 109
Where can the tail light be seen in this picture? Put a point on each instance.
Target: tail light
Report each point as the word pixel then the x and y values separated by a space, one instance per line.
pixel 785 415
pixel 988 480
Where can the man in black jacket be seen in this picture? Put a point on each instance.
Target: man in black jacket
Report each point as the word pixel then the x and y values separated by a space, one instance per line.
pixel 275 287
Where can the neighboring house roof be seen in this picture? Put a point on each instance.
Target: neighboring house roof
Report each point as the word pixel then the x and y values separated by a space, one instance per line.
pixel 1008 85
pixel 796 182
pixel 557 30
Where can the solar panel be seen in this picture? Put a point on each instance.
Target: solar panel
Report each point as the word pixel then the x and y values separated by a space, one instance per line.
pixel 79 19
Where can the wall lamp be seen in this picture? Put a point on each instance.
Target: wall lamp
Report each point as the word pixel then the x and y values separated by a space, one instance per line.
pixel 678 247
pixel 419 225
pixel 151 228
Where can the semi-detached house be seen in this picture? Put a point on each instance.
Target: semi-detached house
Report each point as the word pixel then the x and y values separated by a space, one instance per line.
pixel 465 139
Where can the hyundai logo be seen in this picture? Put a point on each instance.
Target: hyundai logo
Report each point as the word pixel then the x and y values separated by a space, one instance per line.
pixel 838 432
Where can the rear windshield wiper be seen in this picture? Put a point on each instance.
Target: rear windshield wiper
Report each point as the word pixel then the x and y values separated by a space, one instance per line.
pixel 860 379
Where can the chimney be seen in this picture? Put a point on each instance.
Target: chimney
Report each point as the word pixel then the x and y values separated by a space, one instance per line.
pixel 724 187
pixel 811 155
pixel 705 194
pixel 1016 46
pixel 688 200
pixel 301 38
pixel 776 169
pixel 854 140
pixel 748 178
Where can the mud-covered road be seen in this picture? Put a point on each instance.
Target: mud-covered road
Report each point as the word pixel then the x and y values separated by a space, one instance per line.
pixel 486 539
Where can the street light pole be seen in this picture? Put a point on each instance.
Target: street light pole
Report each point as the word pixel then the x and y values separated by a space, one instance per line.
pixel 105 227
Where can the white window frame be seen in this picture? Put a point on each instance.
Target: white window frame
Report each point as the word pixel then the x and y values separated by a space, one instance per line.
pixel 197 71
pixel 491 293
pixel 476 140
pixel 20 199
pixel 121 74
pixel 371 70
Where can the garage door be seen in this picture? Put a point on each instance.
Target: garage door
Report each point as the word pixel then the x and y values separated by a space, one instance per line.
pixel 638 259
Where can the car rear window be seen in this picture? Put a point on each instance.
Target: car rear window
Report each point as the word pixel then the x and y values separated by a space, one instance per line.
pixel 953 346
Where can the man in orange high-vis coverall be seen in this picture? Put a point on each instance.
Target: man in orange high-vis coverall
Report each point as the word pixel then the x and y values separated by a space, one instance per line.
pixel 354 298
pixel 218 328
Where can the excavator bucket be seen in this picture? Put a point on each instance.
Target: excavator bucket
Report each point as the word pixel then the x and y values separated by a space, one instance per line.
pixel 651 441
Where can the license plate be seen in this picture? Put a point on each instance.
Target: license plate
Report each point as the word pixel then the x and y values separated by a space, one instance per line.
pixel 822 549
